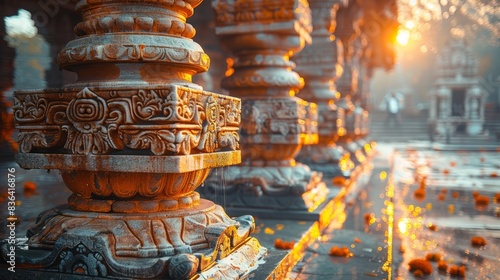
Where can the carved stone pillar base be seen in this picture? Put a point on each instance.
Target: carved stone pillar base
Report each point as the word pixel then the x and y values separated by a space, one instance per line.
pixel 174 244
pixel 332 161
pixel 283 186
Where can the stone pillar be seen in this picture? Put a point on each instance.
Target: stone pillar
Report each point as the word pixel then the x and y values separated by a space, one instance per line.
pixel 443 97
pixel 321 65
pixel 474 106
pixel 133 138
pixel 262 36
pixel 348 31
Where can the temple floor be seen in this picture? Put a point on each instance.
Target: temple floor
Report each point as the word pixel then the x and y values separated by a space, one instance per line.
pixel 388 224
pixel 419 201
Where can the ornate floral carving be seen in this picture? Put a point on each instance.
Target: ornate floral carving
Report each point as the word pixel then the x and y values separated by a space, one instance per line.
pixel 29 108
pixel 81 260
pixel 43 137
pixel 172 120
pixel 147 104
pixel 87 135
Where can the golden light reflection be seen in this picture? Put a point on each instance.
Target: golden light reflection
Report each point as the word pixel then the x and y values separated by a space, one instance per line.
pixel 403 37
pixel 383 175
pixel 341 131
pixel 368 148
pixel 402 226
pixel 451 208
pixel 387 266
pixel 346 163
pixel 359 156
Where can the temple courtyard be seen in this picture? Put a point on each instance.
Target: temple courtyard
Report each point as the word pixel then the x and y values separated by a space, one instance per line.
pixel 382 219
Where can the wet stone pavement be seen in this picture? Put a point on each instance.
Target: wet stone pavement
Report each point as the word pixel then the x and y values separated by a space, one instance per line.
pixel 387 224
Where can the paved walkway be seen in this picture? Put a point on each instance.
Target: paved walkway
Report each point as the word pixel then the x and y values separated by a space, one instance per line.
pixel 364 231
pixel 386 225
pixel 380 221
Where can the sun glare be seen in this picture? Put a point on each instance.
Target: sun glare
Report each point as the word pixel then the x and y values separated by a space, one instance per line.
pixel 403 37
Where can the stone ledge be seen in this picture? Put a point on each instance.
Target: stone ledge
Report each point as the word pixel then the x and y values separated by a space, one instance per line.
pixel 128 163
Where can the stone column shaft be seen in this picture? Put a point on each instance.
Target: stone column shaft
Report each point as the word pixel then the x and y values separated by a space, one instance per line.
pixel 263 36
pixel 321 64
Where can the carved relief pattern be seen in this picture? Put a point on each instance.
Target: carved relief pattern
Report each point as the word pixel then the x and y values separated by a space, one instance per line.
pixel 172 120
pixel 285 80
pixel 140 24
pixel 81 260
pixel 248 11
pixel 132 52
pixel 279 118
pixel 159 245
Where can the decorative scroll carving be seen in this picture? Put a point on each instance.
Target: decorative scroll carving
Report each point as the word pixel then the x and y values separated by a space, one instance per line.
pixel 31 108
pixel 172 120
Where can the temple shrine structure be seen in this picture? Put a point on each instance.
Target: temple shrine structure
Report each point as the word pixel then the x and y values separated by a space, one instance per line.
pixel 458 98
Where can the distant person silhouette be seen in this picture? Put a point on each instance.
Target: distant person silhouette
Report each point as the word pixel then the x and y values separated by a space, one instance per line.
pixel 392 109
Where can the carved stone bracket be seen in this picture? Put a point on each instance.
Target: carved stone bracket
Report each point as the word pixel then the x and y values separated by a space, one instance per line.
pixel 279 121
pixel 164 120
